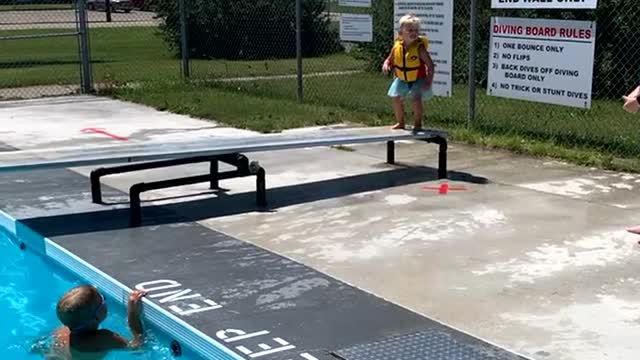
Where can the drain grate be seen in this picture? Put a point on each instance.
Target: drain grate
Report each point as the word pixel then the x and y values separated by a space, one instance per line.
pixel 427 345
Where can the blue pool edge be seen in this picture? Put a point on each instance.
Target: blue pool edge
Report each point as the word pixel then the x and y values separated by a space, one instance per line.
pixel 200 343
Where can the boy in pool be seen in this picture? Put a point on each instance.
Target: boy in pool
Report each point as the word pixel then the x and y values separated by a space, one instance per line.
pixel 81 310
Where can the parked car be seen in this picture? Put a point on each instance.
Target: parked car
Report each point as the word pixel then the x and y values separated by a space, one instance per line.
pixel 115 5
pixel 143 5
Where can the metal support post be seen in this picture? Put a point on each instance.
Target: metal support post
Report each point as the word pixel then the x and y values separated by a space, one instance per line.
pixel 391 152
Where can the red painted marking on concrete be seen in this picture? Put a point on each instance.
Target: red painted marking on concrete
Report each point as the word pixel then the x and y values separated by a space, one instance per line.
pixel 104 132
pixel 444 188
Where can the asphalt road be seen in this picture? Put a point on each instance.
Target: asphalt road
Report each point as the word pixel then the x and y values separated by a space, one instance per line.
pixel 66 19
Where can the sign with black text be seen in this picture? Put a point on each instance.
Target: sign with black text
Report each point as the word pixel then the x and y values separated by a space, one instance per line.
pixel 356 27
pixel 542 60
pixel 436 23
pixel 355 3
pixel 544 4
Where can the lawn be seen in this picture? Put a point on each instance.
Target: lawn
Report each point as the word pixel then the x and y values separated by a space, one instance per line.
pixel 601 136
pixel 597 137
pixel 126 54
pixel 603 127
pixel 129 54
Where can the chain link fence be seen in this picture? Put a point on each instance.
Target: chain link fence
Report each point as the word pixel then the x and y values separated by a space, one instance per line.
pixel 39 53
pixel 126 44
pixel 290 49
pixel 57 47
pixel 616 69
pixel 250 47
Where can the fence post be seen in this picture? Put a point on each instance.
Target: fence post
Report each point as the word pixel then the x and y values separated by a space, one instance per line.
pixel 107 9
pixel 184 39
pixel 299 48
pixel 86 85
pixel 473 24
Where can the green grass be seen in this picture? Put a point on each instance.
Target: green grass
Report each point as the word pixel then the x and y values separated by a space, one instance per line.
pixel 238 109
pixel 122 54
pixel 215 69
pixel 602 136
pixel 129 54
pixel 603 127
pixel 597 137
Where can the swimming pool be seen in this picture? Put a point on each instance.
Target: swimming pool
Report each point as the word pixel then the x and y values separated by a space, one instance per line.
pixel 29 289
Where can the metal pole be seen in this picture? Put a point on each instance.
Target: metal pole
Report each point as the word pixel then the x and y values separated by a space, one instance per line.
pixel 85 56
pixel 299 48
pixel 107 9
pixel 329 9
pixel 473 24
pixel 183 39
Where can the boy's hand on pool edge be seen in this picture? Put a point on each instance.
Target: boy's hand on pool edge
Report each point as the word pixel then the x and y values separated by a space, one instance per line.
pixel 133 318
pixel 135 296
pixel 135 302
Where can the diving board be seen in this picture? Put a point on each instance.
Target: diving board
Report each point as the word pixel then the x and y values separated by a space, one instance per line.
pixel 231 150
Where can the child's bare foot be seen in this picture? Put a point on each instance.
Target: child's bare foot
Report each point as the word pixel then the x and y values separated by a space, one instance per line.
pixel 398 126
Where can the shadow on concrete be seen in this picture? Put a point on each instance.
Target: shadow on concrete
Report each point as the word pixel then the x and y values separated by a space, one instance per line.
pixel 224 204
pixel 5 147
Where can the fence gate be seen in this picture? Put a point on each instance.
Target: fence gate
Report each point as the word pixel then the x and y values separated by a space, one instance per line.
pixel 128 46
pixel 43 48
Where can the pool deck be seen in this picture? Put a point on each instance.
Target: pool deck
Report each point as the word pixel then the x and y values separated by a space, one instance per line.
pixel 527 254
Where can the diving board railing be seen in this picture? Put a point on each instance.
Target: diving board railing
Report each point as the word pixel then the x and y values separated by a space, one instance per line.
pixel 231 150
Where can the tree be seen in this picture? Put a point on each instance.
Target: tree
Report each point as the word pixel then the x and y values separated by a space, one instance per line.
pixel 248 29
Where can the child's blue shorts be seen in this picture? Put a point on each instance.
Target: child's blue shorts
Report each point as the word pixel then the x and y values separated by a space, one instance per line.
pixel 415 88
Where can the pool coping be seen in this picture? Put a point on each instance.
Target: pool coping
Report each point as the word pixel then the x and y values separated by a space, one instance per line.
pixel 201 344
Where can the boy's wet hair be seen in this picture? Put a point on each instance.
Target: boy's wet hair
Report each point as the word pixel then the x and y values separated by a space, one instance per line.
pixel 77 305
pixel 410 19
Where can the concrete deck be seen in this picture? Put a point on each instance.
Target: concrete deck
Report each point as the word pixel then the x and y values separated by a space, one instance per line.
pixel 532 255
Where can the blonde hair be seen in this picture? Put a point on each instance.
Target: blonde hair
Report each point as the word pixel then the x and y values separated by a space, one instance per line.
pixel 77 305
pixel 410 19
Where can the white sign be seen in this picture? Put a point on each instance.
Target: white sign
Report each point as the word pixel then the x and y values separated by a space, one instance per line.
pixel 436 23
pixel 542 60
pixel 544 4
pixel 354 27
pixel 355 3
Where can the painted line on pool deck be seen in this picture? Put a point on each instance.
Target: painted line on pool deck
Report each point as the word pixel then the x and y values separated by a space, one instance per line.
pixel 184 333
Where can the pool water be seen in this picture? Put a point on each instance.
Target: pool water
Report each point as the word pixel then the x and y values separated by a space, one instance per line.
pixel 29 290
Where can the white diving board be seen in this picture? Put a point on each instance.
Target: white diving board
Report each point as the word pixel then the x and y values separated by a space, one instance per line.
pixel 62 157
pixel 149 155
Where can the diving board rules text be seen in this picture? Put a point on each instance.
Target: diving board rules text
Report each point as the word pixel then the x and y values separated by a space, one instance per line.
pixel 544 4
pixel 542 60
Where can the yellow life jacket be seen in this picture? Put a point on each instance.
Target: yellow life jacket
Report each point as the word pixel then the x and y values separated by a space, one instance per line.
pixel 406 62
